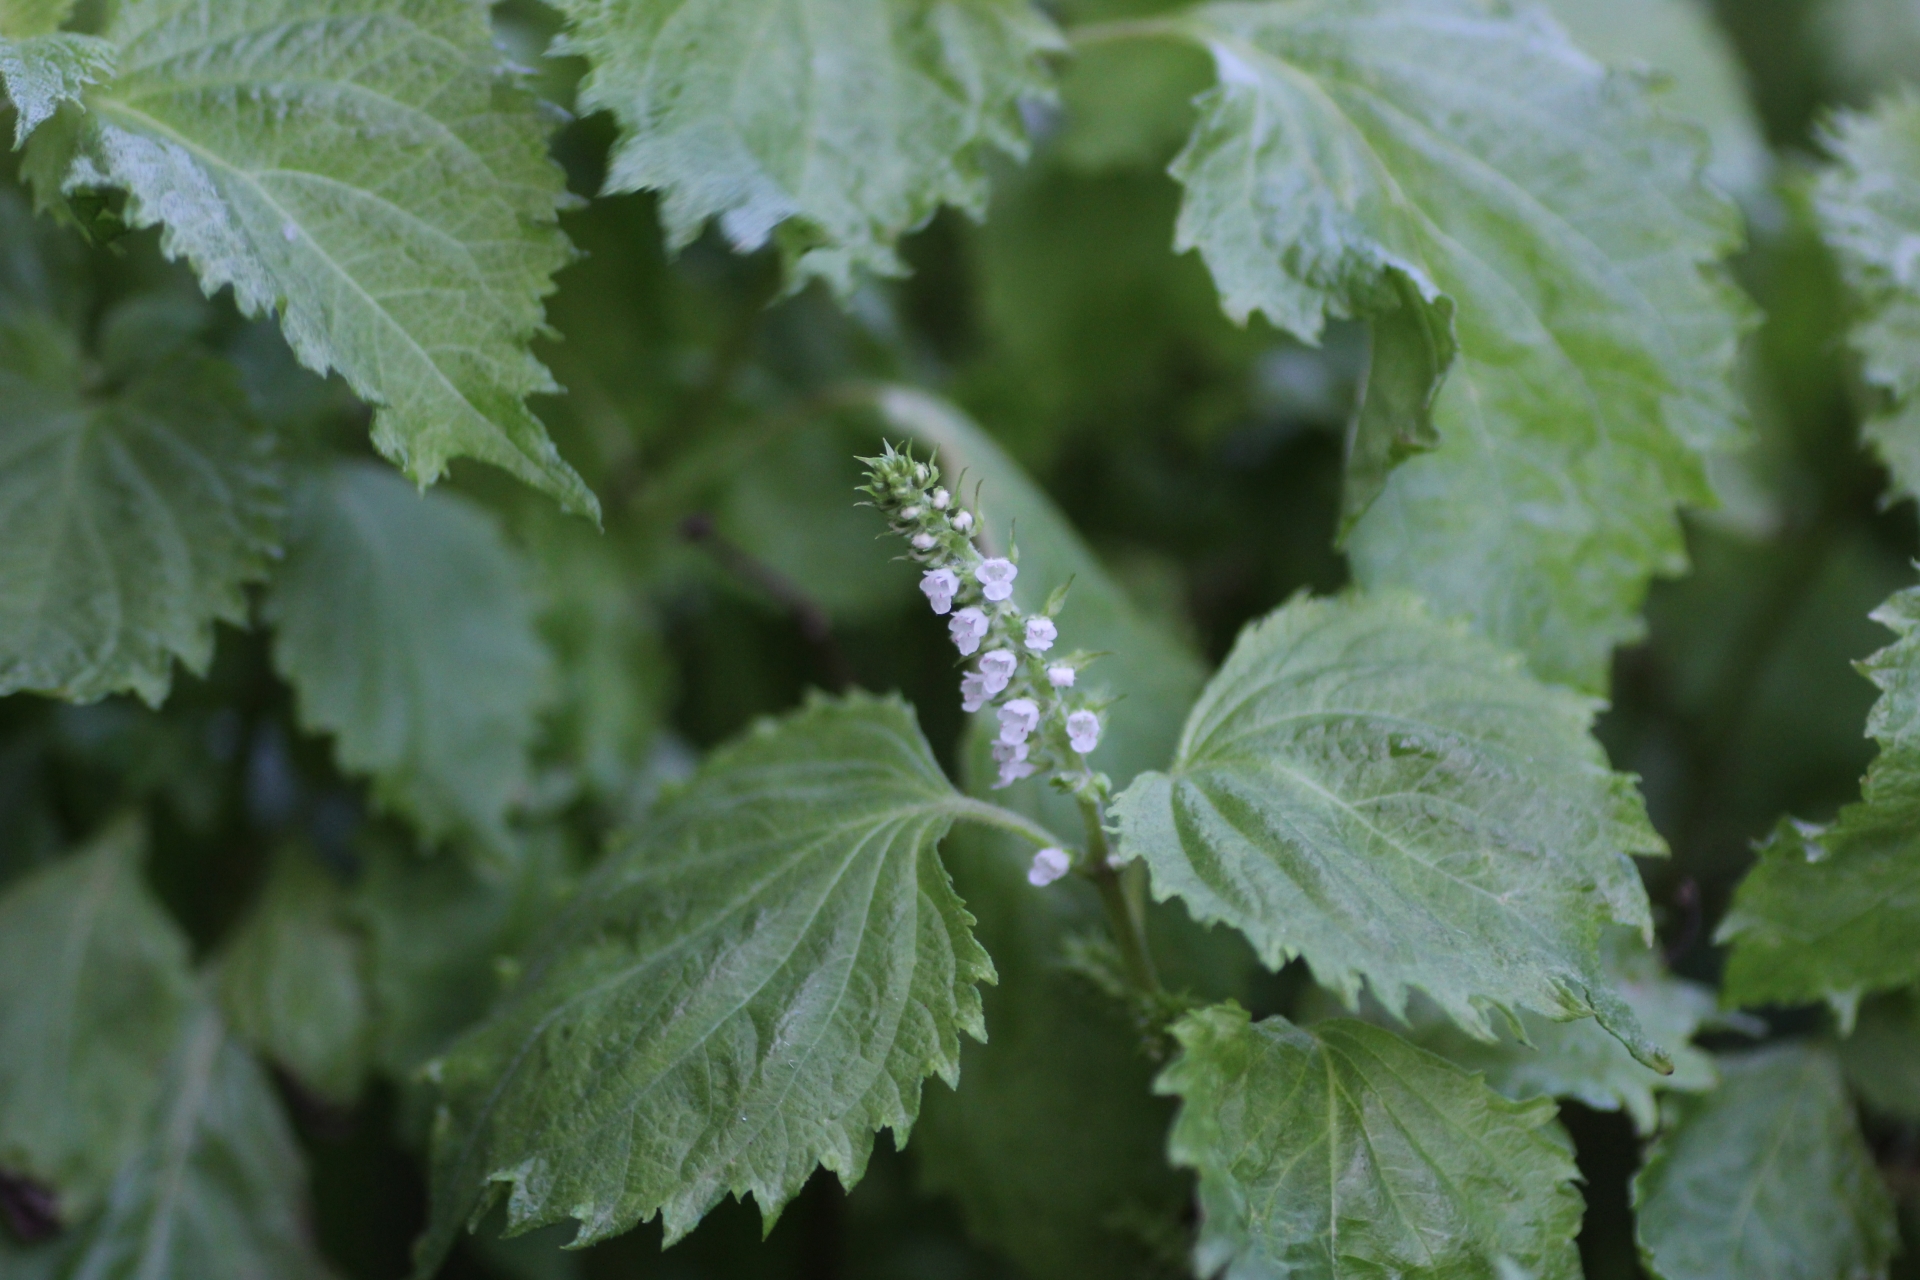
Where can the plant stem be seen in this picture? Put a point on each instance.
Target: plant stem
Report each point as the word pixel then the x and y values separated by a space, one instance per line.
pixel 992 815
pixel 1125 917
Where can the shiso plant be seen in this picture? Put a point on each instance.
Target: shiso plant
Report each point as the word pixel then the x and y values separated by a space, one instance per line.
pixel 1247 624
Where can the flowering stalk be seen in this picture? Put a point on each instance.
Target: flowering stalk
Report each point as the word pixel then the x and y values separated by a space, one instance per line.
pixel 1047 724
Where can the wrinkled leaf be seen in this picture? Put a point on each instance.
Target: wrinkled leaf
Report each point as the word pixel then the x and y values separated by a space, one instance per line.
pixel 405 627
pixel 1463 175
pixel 130 516
pixel 1393 798
pixel 362 170
pixel 1342 1150
pixel 40 72
pixel 842 123
pixel 753 986
pixel 1767 1176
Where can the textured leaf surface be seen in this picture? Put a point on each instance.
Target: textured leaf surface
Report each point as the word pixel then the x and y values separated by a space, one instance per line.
pixel 1396 800
pixel 1765 1178
pixel 292 979
pixel 217 1190
pixel 93 991
pixel 754 986
pixel 405 628
pixel 1345 1151
pixel 1869 208
pixel 130 517
pixel 1830 913
pixel 39 73
pixel 1456 168
pixel 841 122
pixel 1580 1060
pixel 361 169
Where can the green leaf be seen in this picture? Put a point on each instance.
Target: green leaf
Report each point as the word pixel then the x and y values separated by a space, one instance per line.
pixel 362 169
pixel 440 938
pixel 1156 674
pixel 404 625
pixel 1461 173
pixel 1830 913
pixel 217 1191
pixel 93 990
pixel 1345 1151
pixel 1396 800
pixel 842 123
pixel 40 72
pixel 1696 72
pixel 292 979
pixel 1766 1176
pixel 130 516
pixel 1578 1059
pixel 1869 209
pixel 754 985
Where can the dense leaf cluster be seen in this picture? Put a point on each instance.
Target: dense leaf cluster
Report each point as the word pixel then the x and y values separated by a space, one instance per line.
pixel 1300 416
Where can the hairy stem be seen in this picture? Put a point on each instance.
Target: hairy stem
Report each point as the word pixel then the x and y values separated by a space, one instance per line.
pixel 992 815
pixel 1126 917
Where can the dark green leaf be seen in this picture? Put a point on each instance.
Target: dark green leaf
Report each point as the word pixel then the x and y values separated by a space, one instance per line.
pixel 1396 800
pixel 1344 1151
pixel 217 1191
pixel 93 991
pixel 753 986
pixel 404 625
pixel 130 516
pixel 292 979
pixel 1766 1177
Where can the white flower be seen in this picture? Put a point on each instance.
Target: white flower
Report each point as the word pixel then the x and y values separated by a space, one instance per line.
pixel 968 628
pixel 1012 758
pixel 1060 676
pixel 996 578
pixel 940 499
pixel 939 586
pixel 1083 731
pixel 973 692
pixel 963 520
pixel 923 542
pixel 1019 718
pixel 1048 865
pixel 910 513
pixel 996 668
pixel 1041 634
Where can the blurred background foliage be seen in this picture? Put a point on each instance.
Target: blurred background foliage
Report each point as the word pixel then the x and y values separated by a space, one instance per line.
pixel 1201 461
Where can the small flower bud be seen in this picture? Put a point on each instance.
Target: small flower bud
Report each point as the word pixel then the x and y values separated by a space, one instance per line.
pixel 997 668
pixel 973 692
pixel 996 578
pixel 1019 718
pixel 963 520
pixel 939 585
pixel 924 542
pixel 1048 865
pixel 940 499
pixel 1041 634
pixel 968 628
pixel 910 512
pixel 1083 731
pixel 1060 676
